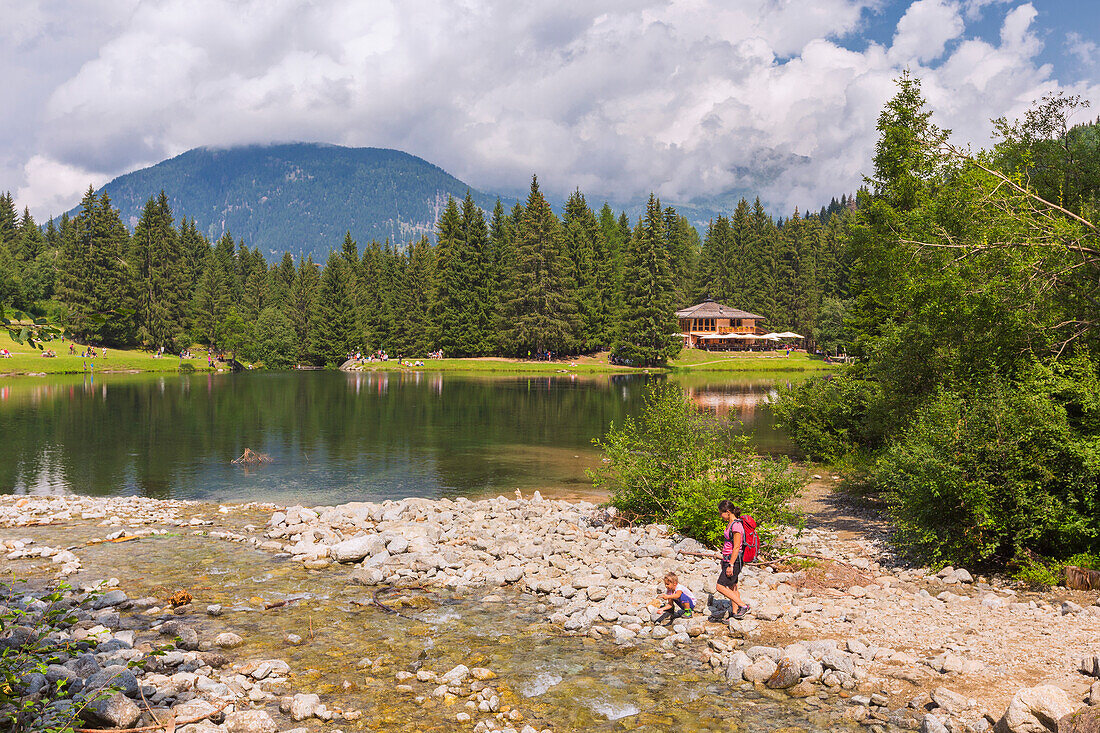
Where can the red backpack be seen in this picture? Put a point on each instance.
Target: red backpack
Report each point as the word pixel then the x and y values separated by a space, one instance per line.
pixel 750 542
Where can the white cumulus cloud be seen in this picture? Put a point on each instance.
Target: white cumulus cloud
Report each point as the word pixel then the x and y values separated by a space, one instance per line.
pixel 689 98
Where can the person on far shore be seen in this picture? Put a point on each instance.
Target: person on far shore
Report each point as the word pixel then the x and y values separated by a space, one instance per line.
pixel 732 562
pixel 680 602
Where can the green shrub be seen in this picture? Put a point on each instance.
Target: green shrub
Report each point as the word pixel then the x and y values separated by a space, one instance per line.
pixel 981 476
pixel 673 463
pixel 828 417
pixel 1037 576
pixel 274 341
pixel 187 367
pixel 41 645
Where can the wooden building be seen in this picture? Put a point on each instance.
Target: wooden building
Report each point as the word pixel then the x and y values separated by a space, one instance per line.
pixel 710 325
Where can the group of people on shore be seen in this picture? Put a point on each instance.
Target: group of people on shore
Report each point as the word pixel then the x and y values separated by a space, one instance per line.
pixel 739 546
pixel 374 356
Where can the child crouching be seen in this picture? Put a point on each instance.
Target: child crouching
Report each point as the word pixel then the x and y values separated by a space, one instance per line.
pixel 681 604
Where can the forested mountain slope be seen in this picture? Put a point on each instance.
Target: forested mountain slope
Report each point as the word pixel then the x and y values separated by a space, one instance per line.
pixel 299 198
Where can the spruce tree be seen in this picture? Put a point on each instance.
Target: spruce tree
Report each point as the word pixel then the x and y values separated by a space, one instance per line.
pixel 300 307
pixel 97 283
pixel 540 310
pixel 647 324
pixel 333 331
pixel 210 302
pixel 502 234
pixel 451 299
pixel 372 296
pixel 716 262
pixel 584 245
pixel 481 287
pixel 160 275
pixel 8 220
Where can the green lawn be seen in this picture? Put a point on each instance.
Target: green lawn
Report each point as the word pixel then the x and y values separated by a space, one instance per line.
pixel 28 360
pixel 693 360
pixel 698 360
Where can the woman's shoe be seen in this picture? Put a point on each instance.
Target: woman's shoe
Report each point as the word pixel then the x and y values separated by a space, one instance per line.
pixel 741 612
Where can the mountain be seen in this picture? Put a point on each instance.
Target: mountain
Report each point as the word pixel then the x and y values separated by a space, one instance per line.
pixel 299 197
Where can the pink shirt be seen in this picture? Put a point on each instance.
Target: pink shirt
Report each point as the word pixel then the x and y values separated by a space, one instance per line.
pixel 735 527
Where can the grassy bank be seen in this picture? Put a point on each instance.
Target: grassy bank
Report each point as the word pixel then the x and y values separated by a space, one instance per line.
pixel 688 361
pixel 26 360
pixel 697 360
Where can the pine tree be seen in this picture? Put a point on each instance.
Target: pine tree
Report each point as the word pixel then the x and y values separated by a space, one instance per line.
pixel 333 331
pixel 210 302
pixel 257 292
pixel 372 296
pixel 716 263
pixel 451 297
pixel 8 220
pixel 300 307
pixel 502 232
pixel 194 249
pixel 97 284
pixel 647 324
pixel 160 275
pixel 762 283
pixel 540 312
pixel 585 247
pixel 682 243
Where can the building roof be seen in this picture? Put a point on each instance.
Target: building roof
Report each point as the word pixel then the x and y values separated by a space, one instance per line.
pixel 710 309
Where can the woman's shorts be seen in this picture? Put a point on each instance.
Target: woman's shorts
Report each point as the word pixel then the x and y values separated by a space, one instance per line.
pixel 730 581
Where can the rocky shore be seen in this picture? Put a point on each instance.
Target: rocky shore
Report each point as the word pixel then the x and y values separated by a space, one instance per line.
pixel 850 628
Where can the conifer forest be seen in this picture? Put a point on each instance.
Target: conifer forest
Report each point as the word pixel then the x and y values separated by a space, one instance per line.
pixel 522 282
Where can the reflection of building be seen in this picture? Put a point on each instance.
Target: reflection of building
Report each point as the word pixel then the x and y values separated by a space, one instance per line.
pixel 710 325
pixel 739 400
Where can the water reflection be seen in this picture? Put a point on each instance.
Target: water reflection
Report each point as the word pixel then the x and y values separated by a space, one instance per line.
pixel 332 436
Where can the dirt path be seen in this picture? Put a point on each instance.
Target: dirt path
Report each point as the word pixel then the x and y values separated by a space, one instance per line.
pixel 827 508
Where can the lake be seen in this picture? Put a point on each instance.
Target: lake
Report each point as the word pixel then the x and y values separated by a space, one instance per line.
pixel 332 437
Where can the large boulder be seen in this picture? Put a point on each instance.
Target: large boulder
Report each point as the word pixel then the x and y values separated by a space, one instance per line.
pixel 115 711
pixel 761 670
pixel 115 677
pixel 1085 720
pixel 357 548
pixel 786 675
pixel 1036 710
pixel 735 670
pixel 250 721
pixel 1090 665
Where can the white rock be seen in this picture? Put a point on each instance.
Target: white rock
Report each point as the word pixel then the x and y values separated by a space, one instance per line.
pixel 1036 710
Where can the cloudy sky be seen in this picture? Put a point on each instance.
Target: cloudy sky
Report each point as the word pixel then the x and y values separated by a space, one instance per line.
pixel 690 98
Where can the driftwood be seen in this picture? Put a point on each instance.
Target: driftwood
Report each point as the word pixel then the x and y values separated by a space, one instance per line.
pixel 1082 579
pixel 250 456
pixel 171 722
pixel 387 609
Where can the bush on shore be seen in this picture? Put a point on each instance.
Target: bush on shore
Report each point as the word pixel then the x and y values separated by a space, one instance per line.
pixel 672 463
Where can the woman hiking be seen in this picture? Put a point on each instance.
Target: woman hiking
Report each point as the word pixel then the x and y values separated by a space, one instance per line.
pixel 733 549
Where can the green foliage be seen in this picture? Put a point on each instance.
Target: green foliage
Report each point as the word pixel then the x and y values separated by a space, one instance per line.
pixel 828 417
pixel 673 463
pixel 976 400
pixel 540 308
pixel 273 340
pixel 1035 574
pixel 40 630
pixel 647 332
pixel 830 332
pixel 233 333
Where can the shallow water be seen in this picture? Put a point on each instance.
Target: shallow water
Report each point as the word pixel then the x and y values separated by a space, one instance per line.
pixel 566 683
pixel 332 437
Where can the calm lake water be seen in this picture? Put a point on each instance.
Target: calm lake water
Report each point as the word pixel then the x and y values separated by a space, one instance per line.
pixel 332 437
